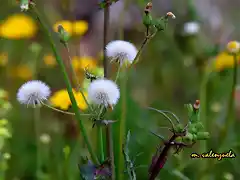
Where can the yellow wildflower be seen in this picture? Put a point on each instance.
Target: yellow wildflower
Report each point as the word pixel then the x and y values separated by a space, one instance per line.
pixel 24 72
pixel 83 62
pixel 61 99
pixel 73 28
pixel 49 60
pixel 233 47
pixel 18 26
pixel 224 60
pixel 3 59
pixel 87 62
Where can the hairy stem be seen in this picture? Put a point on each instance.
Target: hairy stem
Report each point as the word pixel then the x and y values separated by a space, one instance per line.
pixel 230 111
pixel 67 82
pixel 105 65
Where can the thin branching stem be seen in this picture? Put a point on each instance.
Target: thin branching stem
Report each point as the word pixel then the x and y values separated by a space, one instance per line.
pixel 67 82
pixel 76 80
pixel 161 112
pixel 110 152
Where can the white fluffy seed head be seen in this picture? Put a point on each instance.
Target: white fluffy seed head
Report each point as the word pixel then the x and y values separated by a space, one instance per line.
pixel 191 28
pixel 103 92
pixel 33 93
pixel 121 51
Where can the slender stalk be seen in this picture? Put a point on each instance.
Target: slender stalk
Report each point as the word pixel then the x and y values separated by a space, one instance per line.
pixel 203 118
pixel 67 82
pixel 36 128
pixel 100 137
pixel 230 111
pixel 100 143
pixel 76 80
pixel 64 112
pixel 156 168
pixel 144 43
pixel 109 138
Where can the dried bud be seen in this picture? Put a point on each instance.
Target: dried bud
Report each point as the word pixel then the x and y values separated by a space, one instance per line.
pixel 148 8
pixel 170 14
pixel 196 105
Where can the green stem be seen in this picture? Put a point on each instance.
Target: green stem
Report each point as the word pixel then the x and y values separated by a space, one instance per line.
pixel 36 127
pixel 100 137
pixel 230 111
pixel 109 137
pixel 100 143
pixel 64 112
pixel 118 73
pixel 68 84
pixel 76 80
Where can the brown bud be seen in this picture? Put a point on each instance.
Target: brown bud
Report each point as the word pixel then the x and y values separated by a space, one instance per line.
pixel 148 7
pixel 196 104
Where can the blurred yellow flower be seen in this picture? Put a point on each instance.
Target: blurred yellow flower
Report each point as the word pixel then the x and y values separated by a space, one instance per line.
pixel 224 60
pixel 3 59
pixel 61 99
pixel 24 72
pixel 83 62
pixel 18 26
pixel 73 28
pixel 49 60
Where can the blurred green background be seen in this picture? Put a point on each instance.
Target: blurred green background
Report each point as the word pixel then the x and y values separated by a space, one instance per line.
pixel 169 75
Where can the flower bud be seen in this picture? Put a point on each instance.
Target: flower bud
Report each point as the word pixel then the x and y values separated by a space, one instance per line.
pixel 192 129
pixel 188 138
pixel 198 125
pixel 64 36
pixel 179 128
pixel 147 20
pixel 202 135
pixel 189 109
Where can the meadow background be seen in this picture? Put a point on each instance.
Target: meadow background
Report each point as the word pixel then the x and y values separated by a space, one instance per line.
pixel 169 75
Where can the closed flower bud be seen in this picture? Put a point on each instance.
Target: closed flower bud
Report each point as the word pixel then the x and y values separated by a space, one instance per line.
pixel 198 125
pixel 188 138
pixel 194 139
pixel 192 129
pixel 202 135
pixel 64 36
pixel 189 109
pixel 179 128
pixel 147 20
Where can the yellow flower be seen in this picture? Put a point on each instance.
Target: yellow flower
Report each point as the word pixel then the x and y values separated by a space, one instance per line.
pixel 87 62
pixel 3 59
pixel 233 47
pixel 224 60
pixel 73 28
pixel 24 72
pixel 18 26
pixel 61 99
pixel 83 62
pixel 49 60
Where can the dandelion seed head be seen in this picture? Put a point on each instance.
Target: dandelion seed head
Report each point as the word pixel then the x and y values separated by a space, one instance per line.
pixel 33 93
pixel 121 51
pixel 191 28
pixel 24 7
pixel 103 92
